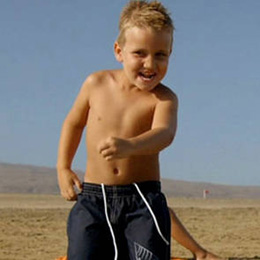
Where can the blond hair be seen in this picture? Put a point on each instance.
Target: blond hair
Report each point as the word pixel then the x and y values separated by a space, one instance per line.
pixel 144 14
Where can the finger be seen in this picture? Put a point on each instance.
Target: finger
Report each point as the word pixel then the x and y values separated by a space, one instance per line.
pixel 109 158
pixel 72 197
pixel 109 142
pixel 69 195
pixel 103 147
pixel 66 196
pixel 105 144
pixel 72 194
pixel 78 184
pixel 108 152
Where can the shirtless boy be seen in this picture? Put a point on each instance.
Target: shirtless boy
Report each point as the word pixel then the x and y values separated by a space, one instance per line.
pixel 130 117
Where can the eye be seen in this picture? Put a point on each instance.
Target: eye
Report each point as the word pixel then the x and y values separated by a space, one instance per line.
pixel 139 53
pixel 161 55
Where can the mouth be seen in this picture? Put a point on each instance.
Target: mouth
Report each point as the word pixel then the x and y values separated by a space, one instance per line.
pixel 147 76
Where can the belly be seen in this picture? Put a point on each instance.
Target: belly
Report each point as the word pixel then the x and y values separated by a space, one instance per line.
pixel 123 171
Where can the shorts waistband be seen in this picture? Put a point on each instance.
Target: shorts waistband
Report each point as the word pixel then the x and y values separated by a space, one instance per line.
pixel 121 190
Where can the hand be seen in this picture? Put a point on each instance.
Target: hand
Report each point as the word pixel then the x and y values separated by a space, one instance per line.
pixel 67 179
pixel 204 255
pixel 115 148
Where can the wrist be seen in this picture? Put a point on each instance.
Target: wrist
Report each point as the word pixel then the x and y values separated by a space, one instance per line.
pixel 132 145
pixel 201 253
pixel 62 167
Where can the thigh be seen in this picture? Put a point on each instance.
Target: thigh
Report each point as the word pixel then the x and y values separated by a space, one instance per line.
pixel 144 240
pixel 88 234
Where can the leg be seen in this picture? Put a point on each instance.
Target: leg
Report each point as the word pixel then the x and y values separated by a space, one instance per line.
pixel 144 240
pixel 182 236
pixel 88 234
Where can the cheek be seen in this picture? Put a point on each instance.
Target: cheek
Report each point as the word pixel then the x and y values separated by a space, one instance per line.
pixel 164 66
pixel 133 63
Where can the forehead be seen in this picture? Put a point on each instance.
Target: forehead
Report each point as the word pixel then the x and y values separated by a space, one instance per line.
pixel 136 37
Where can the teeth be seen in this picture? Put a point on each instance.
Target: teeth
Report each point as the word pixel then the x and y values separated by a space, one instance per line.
pixel 149 76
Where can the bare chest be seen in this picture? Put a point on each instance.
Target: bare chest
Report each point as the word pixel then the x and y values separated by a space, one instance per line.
pixel 122 114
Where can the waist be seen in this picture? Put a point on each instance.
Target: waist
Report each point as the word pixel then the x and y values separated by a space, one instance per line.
pixel 121 190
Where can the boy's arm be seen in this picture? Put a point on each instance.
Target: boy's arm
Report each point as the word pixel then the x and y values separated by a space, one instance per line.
pixel 71 133
pixel 153 141
pixel 163 128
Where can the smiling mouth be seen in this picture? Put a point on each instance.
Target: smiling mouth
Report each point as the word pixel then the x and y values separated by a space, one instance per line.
pixel 147 76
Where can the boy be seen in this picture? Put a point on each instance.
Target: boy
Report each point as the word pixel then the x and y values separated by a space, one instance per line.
pixel 130 117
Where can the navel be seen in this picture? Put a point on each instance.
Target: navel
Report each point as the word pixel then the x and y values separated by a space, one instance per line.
pixel 115 171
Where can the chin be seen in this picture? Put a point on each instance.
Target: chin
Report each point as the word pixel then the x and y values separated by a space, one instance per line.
pixel 145 88
pixel 148 87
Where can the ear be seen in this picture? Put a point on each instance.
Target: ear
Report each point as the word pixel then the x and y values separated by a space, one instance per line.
pixel 171 51
pixel 118 52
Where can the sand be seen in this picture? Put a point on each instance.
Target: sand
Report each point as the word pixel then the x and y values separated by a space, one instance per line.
pixel 34 226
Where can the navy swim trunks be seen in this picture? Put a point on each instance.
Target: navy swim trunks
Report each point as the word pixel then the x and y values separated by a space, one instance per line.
pixel 128 222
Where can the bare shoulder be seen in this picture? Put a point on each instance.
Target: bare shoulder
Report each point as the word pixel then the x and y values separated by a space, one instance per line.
pixel 93 83
pixel 164 93
pixel 165 114
pixel 97 78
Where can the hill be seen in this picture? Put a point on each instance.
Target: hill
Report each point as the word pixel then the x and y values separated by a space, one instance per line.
pixel 17 178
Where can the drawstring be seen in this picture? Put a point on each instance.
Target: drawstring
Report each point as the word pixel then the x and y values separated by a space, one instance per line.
pixel 108 222
pixel 153 216
pixel 147 205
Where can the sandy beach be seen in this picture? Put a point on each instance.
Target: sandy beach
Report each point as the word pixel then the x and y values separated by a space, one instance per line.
pixel 34 226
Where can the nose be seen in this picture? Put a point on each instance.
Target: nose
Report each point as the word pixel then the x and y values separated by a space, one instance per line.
pixel 149 63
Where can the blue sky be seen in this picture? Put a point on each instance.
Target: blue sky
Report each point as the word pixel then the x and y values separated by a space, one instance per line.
pixel 48 48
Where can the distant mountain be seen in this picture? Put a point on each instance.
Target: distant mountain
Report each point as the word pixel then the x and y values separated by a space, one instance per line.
pixel 15 178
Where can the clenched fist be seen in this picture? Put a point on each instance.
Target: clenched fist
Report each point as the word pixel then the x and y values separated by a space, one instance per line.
pixel 115 148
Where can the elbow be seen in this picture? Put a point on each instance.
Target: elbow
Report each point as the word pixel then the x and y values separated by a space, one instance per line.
pixel 168 137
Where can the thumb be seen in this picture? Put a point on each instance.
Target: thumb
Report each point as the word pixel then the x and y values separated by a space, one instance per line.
pixel 78 183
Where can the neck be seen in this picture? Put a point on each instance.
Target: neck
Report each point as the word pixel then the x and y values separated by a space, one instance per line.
pixel 124 83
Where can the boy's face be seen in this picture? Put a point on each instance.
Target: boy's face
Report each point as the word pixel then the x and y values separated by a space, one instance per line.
pixel 145 56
